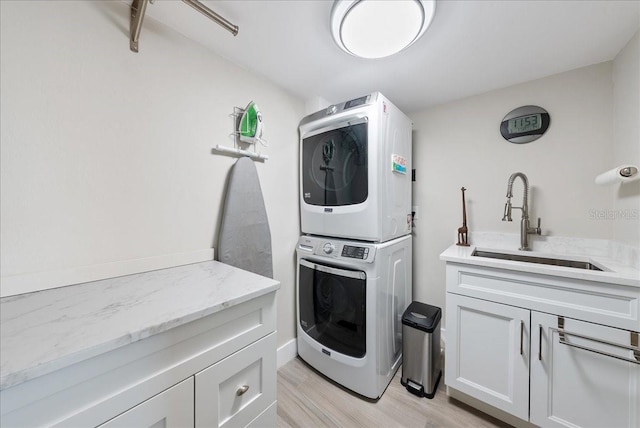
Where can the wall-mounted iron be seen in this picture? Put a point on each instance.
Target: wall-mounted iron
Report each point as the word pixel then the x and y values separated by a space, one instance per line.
pixel 248 127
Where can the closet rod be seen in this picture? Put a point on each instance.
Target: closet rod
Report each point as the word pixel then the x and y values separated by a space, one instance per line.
pixel 233 29
pixel 139 7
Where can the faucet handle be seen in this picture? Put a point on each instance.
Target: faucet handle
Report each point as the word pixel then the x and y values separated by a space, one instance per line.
pixel 537 229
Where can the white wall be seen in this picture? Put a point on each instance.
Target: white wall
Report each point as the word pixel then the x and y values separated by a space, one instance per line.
pixel 106 155
pixel 459 144
pixel 626 141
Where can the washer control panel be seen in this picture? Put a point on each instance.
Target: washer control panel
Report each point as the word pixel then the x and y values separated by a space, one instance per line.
pixel 328 248
pixel 337 249
pixel 354 252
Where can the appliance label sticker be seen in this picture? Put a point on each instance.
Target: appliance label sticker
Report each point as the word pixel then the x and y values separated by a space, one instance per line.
pixel 398 164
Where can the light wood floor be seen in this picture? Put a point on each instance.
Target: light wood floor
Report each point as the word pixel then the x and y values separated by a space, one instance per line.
pixel 307 399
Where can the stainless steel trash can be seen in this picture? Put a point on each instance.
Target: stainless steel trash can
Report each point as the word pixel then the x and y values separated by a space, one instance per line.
pixel 421 363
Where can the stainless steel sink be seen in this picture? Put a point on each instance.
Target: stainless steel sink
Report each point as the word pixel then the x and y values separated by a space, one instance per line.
pixel 534 259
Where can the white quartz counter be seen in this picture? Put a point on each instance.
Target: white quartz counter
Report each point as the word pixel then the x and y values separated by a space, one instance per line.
pixel 614 271
pixel 48 330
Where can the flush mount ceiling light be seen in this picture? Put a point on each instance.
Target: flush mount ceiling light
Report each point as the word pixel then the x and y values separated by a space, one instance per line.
pixel 379 28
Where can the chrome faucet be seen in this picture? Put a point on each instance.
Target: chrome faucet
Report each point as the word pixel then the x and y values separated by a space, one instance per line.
pixel 525 229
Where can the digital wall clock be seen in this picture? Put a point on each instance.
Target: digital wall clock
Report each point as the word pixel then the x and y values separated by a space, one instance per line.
pixel 525 124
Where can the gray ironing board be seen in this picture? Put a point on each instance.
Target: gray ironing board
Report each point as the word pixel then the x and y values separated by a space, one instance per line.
pixel 245 239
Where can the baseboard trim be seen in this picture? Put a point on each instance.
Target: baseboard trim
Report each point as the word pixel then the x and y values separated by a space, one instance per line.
pixel 37 281
pixel 287 352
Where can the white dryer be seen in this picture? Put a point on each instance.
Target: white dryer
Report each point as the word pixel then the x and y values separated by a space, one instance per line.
pixel 355 171
pixel 350 299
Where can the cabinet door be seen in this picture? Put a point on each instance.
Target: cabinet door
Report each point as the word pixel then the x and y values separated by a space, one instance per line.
pixel 487 352
pixel 573 386
pixel 236 390
pixel 170 408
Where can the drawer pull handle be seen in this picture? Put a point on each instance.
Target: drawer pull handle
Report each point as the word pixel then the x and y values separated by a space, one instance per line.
pixel 521 337
pixel 562 333
pixel 540 330
pixel 242 390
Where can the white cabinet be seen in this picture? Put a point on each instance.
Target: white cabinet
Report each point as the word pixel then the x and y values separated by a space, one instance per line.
pixel 231 393
pixel 266 418
pixel 579 378
pixel 530 357
pixel 238 389
pixel 172 408
pixel 489 356
pixel 185 376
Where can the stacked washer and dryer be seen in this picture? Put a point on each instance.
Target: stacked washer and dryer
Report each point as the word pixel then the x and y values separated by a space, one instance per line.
pixel 354 258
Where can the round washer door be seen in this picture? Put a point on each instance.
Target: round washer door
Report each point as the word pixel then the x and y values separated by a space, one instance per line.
pixel 332 306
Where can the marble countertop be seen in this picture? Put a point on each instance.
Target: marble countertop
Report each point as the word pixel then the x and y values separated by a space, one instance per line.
pixel 613 259
pixel 48 330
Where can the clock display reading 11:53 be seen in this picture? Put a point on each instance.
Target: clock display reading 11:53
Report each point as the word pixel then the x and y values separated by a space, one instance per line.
pixel 525 124
pixel 518 125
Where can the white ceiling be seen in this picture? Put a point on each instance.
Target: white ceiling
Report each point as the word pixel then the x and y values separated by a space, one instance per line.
pixel 471 47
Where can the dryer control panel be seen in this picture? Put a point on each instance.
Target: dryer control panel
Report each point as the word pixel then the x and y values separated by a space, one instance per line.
pixel 336 109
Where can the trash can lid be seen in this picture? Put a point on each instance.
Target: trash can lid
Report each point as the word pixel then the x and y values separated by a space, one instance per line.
pixel 422 316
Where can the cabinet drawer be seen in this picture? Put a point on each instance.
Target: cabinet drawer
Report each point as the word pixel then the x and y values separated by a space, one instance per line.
pixel 236 390
pixel 170 408
pixel 598 302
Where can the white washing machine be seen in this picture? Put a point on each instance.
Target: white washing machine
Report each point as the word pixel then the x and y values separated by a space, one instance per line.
pixel 355 171
pixel 350 299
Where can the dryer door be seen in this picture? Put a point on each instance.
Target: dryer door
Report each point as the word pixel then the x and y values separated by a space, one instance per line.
pixel 334 165
pixel 332 305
